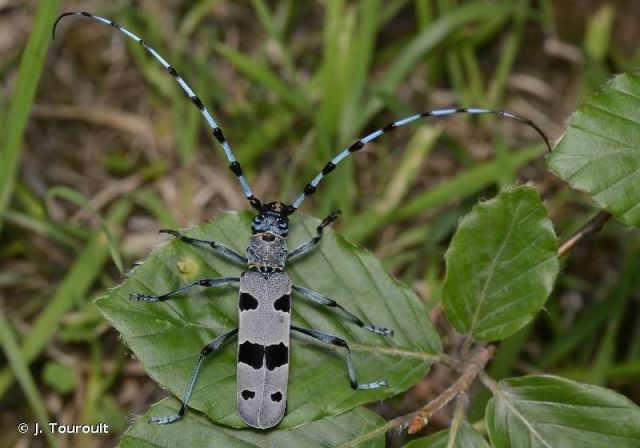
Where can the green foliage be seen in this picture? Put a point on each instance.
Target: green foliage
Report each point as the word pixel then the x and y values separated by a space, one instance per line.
pixel 23 94
pixel 196 430
pixel 548 411
pixel 19 366
pixel 59 377
pixel 599 152
pixel 77 198
pixel 469 182
pixel 167 337
pixel 88 265
pixel 501 265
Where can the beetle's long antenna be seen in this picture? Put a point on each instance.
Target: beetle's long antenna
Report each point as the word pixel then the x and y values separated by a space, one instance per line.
pixel 234 165
pixel 310 188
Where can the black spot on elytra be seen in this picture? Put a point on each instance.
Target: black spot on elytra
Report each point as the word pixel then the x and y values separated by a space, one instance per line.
pixel 276 355
pixel 246 394
pixel 251 354
pixel 247 302
pixel 276 396
pixel 283 303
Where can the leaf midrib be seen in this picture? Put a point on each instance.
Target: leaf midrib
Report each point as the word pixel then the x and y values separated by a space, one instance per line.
pixel 489 279
pixel 499 395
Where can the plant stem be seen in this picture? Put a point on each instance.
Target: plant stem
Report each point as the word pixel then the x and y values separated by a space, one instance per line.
pixel 458 418
pixel 470 369
pixel 590 228
pixel 475 365
pixel 488 382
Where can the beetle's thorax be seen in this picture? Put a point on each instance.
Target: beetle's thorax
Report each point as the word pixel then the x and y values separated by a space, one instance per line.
pixel 267 252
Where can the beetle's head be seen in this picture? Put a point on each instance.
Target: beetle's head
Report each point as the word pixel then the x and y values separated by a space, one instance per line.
pixel 272 218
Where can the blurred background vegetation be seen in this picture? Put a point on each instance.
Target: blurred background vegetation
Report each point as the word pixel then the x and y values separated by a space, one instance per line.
pixel 291 83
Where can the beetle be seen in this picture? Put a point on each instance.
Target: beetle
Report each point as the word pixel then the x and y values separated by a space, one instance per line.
pixel 265 288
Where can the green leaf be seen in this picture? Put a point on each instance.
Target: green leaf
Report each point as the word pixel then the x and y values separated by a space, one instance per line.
pixel 59 377
pixel 501 265
pixel 549 412
pixel 168 336
pixel 600 150
pixel 465 437
pixel 195 430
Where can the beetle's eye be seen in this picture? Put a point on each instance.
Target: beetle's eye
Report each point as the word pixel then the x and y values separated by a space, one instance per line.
pixel 282 222
pixel 258 219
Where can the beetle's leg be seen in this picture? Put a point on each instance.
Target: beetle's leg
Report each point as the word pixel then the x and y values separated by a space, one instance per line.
pixel 324 300
pixel 220 248
pixel 208 349
pixel 330 339
pixel 304 247
pixel 204 282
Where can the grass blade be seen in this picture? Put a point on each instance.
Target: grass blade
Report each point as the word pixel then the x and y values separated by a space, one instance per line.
pixel 21 371
pixel 466 184
pixel 424 42
pixel 88 266
pixel 24 92
pixel 76 197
